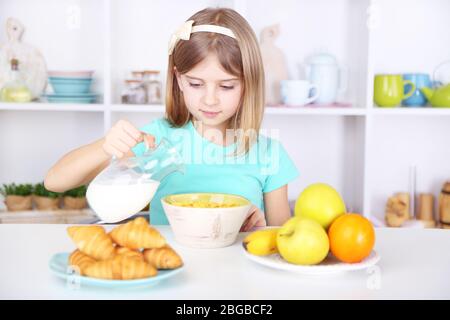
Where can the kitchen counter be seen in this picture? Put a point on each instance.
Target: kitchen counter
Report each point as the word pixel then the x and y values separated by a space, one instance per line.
pixel 48 216
pixel 415 263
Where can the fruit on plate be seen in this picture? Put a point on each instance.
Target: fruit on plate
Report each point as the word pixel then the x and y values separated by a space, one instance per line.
pixel 320 202
pixel 352 238
pixel 302 241
pixel 262 242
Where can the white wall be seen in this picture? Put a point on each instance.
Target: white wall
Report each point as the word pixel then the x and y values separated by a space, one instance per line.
pixel 31 142
pixel 68 33
pixel 141 33
pixel 411 36
pixel 325 148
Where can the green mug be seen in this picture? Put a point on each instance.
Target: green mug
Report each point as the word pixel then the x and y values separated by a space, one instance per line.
pixel 389 90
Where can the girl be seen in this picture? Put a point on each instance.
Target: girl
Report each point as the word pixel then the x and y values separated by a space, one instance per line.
pixel 214 109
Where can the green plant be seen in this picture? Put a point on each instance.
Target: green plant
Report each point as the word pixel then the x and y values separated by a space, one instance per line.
pixel 79 192
pixel 41 191
pixel 16 190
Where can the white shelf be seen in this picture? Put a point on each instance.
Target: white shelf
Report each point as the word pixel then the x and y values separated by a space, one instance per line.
pixel 160 109
pixel 315 111
pixel 151 108
pixel 43 106
pixel 268 110
pixel 406 111
pixel 48 216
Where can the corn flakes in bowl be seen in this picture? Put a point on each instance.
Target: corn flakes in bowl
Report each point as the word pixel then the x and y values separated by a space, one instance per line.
pixel 206 220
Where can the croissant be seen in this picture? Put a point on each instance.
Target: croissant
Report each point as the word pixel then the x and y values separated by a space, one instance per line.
pixel 124 251
pixel 121 268
pixel 163 258
pixel 93 241
pixel 80 260
pixel 137 234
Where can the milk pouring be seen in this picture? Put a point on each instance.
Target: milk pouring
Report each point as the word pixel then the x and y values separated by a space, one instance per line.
pixel 127 185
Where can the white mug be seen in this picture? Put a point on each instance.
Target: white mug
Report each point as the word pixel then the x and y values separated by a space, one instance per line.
pixel 297 92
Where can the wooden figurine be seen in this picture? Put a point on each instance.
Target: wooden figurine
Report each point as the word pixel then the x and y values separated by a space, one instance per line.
pixel 425 212
pixel 275 66
pixel 397 210
pixel 444 206
pixel 31 62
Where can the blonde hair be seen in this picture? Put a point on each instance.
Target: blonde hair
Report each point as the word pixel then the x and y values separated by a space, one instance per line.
pixel 240 57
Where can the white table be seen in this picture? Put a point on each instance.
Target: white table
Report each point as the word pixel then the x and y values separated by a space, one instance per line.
pixel 415 263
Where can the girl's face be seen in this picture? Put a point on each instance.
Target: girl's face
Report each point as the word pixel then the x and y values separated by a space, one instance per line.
pixel 211 94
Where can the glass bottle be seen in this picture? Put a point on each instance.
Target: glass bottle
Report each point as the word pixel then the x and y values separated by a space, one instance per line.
pixel 15 90
pixel 134 92
pixel 137 75
pixel 153 86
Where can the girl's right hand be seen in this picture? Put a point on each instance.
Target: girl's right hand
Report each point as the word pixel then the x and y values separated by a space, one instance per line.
pixel 122 137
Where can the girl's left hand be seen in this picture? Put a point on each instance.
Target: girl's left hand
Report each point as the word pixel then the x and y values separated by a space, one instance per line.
pixel 256 218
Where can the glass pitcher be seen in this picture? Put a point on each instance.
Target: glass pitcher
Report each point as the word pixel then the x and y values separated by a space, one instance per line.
pixel 127 185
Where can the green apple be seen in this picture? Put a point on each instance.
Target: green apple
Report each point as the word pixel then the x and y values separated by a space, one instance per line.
pixel 320 202
pixel 302 241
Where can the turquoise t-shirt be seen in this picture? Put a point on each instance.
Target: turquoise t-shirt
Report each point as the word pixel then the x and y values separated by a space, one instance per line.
pixel 210 168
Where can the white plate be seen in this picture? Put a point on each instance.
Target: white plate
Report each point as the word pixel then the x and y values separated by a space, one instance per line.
pixel 329 266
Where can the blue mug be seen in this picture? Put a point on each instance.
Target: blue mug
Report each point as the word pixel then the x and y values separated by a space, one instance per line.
pixel 420 80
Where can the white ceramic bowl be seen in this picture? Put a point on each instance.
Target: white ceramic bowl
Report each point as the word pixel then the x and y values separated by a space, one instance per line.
pixel 206 227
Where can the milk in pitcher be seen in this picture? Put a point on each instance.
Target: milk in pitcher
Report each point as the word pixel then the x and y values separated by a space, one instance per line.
pixel 119 201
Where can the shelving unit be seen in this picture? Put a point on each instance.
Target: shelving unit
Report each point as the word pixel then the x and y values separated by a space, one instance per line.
pixel 363 151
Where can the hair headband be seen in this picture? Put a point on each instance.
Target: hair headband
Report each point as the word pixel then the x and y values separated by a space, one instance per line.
pixel 184 32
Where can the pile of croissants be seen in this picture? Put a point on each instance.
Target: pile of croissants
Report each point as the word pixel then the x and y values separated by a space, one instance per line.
pixel 133 250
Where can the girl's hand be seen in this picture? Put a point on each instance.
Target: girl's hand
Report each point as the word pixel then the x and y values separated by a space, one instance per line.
pixel 256 218
pixel 122 137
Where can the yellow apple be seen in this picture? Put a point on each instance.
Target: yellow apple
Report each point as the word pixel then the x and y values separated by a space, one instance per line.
pixel 320 202
pixel 302 241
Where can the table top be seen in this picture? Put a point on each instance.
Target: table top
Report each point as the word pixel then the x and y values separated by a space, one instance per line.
pixel 414 265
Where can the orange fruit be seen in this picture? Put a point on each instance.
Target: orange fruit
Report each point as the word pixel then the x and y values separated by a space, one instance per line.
pixel 352 237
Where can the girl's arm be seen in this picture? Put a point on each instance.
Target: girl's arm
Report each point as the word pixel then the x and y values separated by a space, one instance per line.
pixel 277 207
pixel 81 165
pixel 277 210
pixel 78 167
